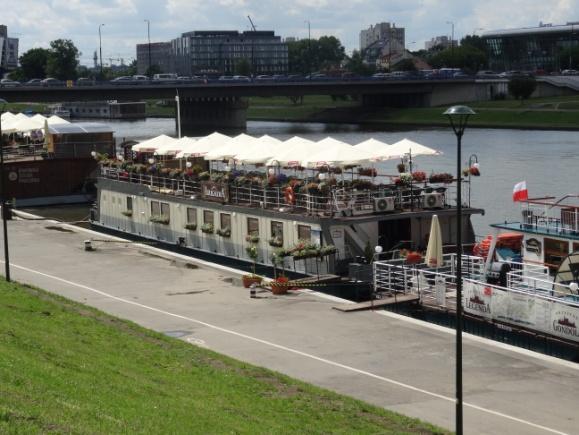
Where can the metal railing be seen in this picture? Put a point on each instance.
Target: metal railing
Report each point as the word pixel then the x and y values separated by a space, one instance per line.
pixel 551 219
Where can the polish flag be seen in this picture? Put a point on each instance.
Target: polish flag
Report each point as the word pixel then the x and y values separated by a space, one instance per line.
pixel 520 192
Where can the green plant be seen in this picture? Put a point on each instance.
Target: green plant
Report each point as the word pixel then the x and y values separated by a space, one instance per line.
pixel 252 238
pixel 401 167
pixel 159 219
pixel 224 232
pixel 253 253
pixel 276 241
pixel 191 227
pixel 327 250
pixel 204 176
pixel 207 228
pixel 128 213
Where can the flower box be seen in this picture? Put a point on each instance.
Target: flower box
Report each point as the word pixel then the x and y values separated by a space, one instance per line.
pixel 224 232
pixel 164 220
pixel 276 242
pixel 191 227
pixel 248 280
pixel 280 285
pixel 207 228
pixel 127 213
pixel 252 238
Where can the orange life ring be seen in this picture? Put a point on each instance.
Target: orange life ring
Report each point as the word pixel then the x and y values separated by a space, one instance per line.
pixel 290 197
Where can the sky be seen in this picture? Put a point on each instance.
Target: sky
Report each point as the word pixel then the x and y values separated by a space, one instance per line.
pixel 37 22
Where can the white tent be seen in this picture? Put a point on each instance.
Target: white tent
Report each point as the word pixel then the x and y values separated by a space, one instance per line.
pixel 293 151
pixel 24 124
pixel 231 148
pixel 405 146
pixel 150 145
pixel 57 120
pixel 39 117
pixel 375 147
pixel 203 145
pixel 336 153
pixel 260 151
pixel 7 116
pixel 172 148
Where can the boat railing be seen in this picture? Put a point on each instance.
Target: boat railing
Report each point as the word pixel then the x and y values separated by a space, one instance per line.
pixel 551 219
pixel 330 202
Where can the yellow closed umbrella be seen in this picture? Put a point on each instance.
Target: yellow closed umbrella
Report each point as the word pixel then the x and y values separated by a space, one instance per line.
pixel 434 248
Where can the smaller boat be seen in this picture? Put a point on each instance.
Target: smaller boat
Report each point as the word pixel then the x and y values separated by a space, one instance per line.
pixel 59 111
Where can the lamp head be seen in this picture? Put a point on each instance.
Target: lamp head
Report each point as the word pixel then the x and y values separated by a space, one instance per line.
pixel 458 116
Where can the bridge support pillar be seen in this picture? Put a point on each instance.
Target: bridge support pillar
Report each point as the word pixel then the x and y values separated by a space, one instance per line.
pixel 205 115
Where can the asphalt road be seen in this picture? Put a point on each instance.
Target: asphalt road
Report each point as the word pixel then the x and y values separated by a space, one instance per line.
pixel 382 358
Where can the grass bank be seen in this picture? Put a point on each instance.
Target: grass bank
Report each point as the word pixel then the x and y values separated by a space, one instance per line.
pixel 67 368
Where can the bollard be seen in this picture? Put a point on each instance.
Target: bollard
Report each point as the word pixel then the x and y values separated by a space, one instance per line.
pixel 252 291
pixel 88 245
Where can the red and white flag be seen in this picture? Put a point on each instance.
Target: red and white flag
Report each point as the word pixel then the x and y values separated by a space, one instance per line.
pixel 520 192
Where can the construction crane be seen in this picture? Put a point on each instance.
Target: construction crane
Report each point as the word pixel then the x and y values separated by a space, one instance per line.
pixel 251 22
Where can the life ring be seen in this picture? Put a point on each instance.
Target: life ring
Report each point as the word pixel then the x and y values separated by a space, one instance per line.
pixel 290 197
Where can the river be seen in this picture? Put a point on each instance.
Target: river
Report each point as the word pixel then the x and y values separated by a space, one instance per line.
pixel 546 160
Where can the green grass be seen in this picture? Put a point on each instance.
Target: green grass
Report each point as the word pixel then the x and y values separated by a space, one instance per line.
pixel 21 107
pixel 67 368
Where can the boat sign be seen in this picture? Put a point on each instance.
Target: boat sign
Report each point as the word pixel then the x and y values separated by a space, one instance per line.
pixel 217 192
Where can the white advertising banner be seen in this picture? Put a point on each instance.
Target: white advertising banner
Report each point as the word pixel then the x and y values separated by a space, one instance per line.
pixel 564 321
pixel 477 299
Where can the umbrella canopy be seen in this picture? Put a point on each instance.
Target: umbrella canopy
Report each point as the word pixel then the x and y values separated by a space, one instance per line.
pixel 24 124
pixel 151 145
pixel 6 116
pixel 293 152
pixel 260 151
pixel 434 248
pixel 336 153
pixel 405 146
pixel 231 147
pixel 172 148
pixel 375 147
pixel 57 120
pixel 203 145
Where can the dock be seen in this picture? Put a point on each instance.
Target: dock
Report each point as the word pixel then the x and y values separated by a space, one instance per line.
pixel 377 303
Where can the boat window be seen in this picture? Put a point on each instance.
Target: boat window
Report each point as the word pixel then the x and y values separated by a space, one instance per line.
pixel 555 252
pixel 129 203
pixel 253 226
pixel 155 208
pixel 165 210
pixel 277 230
pixel 225 221
pixel 305 232
pixel 191 215
pixel 208 217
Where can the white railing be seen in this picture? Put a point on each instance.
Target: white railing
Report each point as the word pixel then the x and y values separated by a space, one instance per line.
pixel 551 219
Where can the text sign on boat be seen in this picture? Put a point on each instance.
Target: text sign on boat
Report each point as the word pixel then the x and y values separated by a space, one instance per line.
pixel 212 191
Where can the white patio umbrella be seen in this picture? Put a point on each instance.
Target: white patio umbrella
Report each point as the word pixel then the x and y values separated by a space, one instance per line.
pixel 203 145
pixel 57 120
pixel 405 146
pixel 293 152
pixel 377 148
pixel 260 151
pixel 6 116
pixel 174 147
pixel 336 153
pixel 434 248
pixel 231 147
pixel 150 145
pixel 25 124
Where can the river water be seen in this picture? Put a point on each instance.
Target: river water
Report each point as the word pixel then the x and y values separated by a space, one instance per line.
pixel 546 160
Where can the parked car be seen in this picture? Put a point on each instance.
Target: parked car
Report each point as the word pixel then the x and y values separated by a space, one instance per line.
pixel 486 75
pixel 225 79
pixel 241 79
pixel 380 76
pixel 85 81
pixel 140 79
pixel 264 78
pixel 123 80
pixel 33 82
pixel 569 72
pixel 7 83
pixel 49 81
pixel 165 78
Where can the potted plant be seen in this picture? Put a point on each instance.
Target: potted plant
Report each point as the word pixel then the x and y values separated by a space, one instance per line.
pixel 401 167
pixel 276 242
pixel 280 285
pixel 159 219
pixel 191 226
pixel 224 232
pixel 127 213
pixel 252 278
pixel 207 228
pixel 252 238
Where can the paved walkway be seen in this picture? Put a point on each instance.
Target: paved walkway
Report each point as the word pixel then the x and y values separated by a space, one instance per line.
pixel 398 363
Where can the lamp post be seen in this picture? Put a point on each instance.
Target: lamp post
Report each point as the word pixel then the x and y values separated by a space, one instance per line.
pixel 3 195
pixel 149 42
pixel 571 49
pixel 101 49
pixel 458 117
pixel 472 165
pixel 309 49
pixel 451 41
pixel 178 103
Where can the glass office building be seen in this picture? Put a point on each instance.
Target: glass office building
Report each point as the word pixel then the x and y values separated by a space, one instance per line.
pixel 543 48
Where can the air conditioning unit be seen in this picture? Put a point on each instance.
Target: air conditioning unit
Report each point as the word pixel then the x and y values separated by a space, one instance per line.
pixel 384 204
pixel 433 200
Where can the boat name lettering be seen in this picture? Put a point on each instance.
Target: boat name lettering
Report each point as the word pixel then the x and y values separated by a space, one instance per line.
pixel 478 304
pixel 534 246
pixel 565 323
pixel 215 191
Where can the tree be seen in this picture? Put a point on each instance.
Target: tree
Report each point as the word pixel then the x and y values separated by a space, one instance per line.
pixel 243 67
pixel 307 56
pixel 63 59
pixel 569 58
pixel 152 70
pixel 521 87
pixel 404 65
pixel 467 57
pixel 33 64
pixel 356 65
pixel 474 41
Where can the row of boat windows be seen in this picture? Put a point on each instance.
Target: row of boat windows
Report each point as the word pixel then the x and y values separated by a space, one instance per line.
pixel 163 210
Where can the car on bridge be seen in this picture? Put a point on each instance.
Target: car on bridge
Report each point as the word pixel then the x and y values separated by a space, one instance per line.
pixel 50 81
pixel 165 78
pixel 7 83
pixel 33 82
pixel 85 81
pixel 264 78
pixel 241 79
pixel 123 80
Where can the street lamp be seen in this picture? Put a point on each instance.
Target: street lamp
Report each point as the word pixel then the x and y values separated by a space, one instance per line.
pixel 451 41
pixel 3 195
pixel 178 103
pixel 101 49
pixel 458 117
pixel 149 40
pixel 309 49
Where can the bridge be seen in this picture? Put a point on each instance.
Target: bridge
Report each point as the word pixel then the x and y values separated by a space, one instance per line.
pixel 206 106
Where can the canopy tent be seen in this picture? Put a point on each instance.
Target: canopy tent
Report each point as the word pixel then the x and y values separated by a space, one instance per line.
pixel 293 151
pixel 406 146
pixel 24 124
pixel 7 116
pixel 260 151
pixel 335 153
pixel 57 120
pixel 203 145
pixel 231 148
pixel 172 148
pixel 377 148
pixel 39 117
pixel 150 145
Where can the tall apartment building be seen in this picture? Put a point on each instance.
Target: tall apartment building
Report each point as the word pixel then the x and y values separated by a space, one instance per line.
pixel 440 41
pixel 160 55
pixel 217 52
pixel 384 32
pixel 8 50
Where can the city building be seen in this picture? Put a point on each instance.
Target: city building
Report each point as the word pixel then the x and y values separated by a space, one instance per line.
pixel 440 41
pixel 543 48
pixel 8 50
pixel 161 56
pixel 382 32
pixel 220 52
